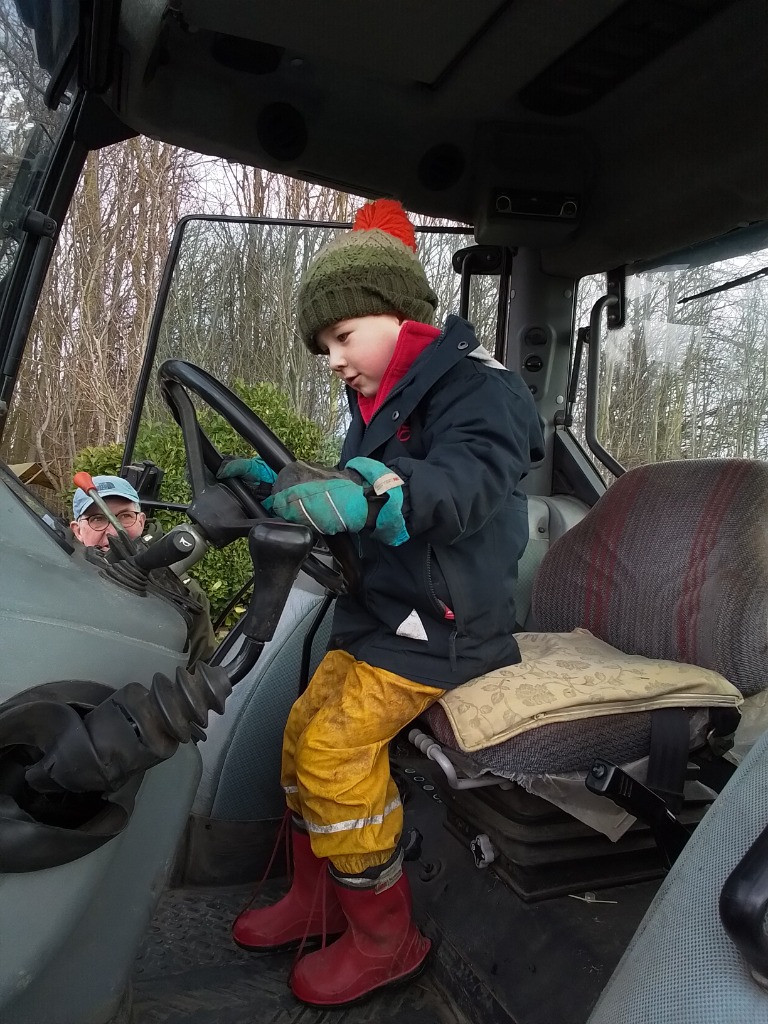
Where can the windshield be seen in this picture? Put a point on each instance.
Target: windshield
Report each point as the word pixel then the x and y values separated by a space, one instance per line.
pixel 35 39
pixel 687 375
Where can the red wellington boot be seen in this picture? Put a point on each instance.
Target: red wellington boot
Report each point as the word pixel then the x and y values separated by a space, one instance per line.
pixel 309 909
pixel 381 946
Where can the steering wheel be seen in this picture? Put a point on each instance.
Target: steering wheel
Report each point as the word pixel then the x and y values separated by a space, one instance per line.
pixel 176 377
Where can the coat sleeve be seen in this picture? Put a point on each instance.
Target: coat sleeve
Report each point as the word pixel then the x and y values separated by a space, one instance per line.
pixel 481 434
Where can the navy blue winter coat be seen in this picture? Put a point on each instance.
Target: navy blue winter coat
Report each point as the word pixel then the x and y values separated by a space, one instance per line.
pixel 471 433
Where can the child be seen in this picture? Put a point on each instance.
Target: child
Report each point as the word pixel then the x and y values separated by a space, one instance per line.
pixel 445 433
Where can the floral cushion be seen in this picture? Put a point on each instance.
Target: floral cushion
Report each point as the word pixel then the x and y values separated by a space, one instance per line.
pixel 569 676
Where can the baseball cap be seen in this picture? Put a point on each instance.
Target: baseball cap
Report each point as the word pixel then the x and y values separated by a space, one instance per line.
pixel 108 487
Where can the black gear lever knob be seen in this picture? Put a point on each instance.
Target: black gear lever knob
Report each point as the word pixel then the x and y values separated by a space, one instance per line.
pixel 277 551
pixel 176 545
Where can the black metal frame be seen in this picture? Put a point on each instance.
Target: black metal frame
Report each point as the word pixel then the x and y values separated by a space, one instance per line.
pixel 92 55
pixel 487 260
pixel 593 376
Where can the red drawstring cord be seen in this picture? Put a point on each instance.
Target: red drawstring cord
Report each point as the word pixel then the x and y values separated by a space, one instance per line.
pixel 323 907
pixel 284 835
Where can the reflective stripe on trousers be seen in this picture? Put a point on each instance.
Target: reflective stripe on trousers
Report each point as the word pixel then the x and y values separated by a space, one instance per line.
pixel 335 769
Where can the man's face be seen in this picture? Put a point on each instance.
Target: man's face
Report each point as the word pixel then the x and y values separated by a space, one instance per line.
pixel 93 529
pixel 359 349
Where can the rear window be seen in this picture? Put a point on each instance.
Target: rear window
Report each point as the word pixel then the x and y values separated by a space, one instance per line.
pixel 687 375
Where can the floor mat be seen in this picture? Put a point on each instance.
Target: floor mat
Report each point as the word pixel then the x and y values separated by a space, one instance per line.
pixel 190 971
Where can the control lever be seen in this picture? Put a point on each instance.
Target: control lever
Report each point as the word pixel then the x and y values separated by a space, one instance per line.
pixel 607 779
pixel 277 551
pixel 744 908
pixel 180 547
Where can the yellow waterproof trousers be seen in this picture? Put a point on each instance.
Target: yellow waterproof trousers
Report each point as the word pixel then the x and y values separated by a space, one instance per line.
pixel 335 769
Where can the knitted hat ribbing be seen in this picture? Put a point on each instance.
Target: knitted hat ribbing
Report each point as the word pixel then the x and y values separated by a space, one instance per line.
pixel 370 269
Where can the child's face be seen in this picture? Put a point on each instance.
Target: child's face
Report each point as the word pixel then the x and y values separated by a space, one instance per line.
pixel 359 349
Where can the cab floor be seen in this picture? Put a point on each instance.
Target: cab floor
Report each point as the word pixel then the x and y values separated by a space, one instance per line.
pixel 190 970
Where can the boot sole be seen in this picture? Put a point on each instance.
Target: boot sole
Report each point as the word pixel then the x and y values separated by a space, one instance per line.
pixel 392 983
pixel 290 945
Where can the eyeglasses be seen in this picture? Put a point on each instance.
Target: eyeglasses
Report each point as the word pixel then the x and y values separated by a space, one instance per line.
pixel 99 523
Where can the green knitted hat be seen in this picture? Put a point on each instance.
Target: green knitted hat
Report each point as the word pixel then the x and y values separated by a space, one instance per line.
pixel 370 269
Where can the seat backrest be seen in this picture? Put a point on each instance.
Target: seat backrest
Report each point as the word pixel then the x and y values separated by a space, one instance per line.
pixel 671 563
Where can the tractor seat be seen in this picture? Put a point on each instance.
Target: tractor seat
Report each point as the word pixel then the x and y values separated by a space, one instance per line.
pixel 660 593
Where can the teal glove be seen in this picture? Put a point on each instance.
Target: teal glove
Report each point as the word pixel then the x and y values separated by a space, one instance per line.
pixel 335 504
pixel 390 525
pixel 253 471
pixel 336 501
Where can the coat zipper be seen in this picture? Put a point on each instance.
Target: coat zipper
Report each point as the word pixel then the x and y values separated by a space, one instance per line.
pixel 440 606
pixel 445 612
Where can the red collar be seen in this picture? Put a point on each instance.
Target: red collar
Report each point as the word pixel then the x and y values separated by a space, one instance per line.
pixel 413 338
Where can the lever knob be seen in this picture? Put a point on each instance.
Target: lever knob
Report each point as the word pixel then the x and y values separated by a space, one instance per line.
pixel 277 551
pixel 174 546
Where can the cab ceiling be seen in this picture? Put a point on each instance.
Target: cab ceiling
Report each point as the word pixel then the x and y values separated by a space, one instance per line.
pixel 651 116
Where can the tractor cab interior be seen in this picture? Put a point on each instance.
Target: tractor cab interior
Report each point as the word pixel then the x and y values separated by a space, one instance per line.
pixel 586 833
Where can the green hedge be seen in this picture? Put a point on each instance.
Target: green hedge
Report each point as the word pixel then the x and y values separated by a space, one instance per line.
pixel 222 572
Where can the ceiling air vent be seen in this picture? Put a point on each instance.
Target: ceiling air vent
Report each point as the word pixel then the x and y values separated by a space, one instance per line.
pixel 633 36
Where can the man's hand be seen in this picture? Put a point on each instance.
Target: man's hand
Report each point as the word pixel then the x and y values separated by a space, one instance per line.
pixel 253 471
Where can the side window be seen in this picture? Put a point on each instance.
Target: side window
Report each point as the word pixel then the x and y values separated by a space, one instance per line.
pixel 687 376
pixel 34 40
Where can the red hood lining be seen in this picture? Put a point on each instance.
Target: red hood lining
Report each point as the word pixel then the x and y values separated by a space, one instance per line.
pixel 413 338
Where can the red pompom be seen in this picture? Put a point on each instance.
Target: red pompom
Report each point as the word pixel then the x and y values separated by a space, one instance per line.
pixel 386 215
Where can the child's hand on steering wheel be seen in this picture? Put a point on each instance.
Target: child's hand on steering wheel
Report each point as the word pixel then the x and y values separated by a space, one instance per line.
pixel 253 471
pixel 331 501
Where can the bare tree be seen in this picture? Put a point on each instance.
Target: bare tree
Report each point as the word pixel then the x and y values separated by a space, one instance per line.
pixel 684 380
pixel 85 349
